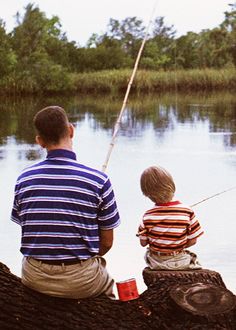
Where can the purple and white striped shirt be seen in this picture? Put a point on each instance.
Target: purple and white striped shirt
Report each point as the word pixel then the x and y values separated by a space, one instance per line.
pixel 61 205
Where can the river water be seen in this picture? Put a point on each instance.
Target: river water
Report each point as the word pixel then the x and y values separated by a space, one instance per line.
pixel 193 136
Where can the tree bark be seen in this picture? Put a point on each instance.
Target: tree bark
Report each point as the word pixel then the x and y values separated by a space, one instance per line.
pixel 23 309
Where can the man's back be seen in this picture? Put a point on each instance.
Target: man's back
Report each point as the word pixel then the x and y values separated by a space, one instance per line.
pixel 67 212
pixel 61 205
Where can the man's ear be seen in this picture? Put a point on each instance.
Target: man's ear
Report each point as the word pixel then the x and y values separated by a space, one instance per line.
pixel 71 130
pixel 40 141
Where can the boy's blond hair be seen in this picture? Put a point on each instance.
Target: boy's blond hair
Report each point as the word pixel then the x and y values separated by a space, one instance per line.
pixel 157 184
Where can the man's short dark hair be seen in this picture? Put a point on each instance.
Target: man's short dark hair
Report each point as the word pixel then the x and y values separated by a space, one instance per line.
pixel 51 124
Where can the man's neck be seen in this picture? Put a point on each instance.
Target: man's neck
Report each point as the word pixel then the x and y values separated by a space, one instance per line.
pixel 66 145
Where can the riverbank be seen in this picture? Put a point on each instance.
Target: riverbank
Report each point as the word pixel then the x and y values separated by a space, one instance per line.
pixel 116 81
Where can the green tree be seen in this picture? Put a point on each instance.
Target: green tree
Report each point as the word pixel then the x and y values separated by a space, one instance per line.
pixel 118 47
pixel 129 32
pixel 33 39
pixel 7 55
pixel 229 25
pixel 158 52
pixel 186 51
pixel 100 58
pixel 213 48
pixel 30 36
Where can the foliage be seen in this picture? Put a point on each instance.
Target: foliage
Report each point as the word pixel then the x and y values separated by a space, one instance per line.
pixel 37 57
pixel 35 42
pixel 7 56
pixel 229 25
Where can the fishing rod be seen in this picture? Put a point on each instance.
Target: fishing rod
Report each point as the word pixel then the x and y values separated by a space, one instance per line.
pixel 201 201
pixel 118 121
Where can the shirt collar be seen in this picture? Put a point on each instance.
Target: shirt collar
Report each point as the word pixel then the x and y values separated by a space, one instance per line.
pixel 61 153
pixel 168 203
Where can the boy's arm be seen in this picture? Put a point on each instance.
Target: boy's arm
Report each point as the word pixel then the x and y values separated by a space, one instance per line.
pixel 191 242
pixel 143 241
pixel 142 234
pixel 194 230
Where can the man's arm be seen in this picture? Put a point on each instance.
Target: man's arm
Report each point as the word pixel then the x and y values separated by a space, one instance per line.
pixel 15 209
pixel 106 241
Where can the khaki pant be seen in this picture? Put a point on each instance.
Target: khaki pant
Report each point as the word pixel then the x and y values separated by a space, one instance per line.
pixel 88 278
pixel 181 261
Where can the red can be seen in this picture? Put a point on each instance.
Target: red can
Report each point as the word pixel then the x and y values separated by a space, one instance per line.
pixel 127 290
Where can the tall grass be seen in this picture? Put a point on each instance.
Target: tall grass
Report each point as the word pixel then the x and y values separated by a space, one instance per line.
pixel 157 81
pixel 116 81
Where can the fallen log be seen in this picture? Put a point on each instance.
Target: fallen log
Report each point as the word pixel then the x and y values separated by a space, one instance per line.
pixel 23 309
pixel 152 277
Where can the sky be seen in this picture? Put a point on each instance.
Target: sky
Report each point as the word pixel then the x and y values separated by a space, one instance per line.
pixel 81 18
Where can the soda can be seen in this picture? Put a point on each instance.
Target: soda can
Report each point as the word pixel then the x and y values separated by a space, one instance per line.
pixel 127 290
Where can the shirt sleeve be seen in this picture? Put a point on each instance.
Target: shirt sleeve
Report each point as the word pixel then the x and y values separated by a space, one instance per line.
pixel 194 228
pixel 143 234
pixel 108 216
pixel 15 208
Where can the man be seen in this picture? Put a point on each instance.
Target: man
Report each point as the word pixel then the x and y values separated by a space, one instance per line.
pixel 67 212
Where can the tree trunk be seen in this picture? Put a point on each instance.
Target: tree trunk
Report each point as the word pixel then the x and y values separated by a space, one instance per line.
pixel 22 308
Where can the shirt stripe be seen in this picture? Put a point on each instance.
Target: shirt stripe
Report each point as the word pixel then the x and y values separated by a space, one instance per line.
pixel 169 227
pixel 61 205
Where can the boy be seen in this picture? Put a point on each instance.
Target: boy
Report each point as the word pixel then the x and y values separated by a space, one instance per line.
pixel 169 227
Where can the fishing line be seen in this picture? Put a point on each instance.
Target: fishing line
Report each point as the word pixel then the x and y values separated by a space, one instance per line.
pixel 219 193
pixel 118 121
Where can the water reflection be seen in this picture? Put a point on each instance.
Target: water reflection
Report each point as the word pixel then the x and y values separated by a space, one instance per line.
pixel 2 154
pixel 162 113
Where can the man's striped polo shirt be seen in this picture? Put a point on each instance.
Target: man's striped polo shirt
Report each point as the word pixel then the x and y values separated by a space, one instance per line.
pixel 61 205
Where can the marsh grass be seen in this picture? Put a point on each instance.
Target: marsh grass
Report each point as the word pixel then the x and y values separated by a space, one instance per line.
pixel 157 81
pixel 116 82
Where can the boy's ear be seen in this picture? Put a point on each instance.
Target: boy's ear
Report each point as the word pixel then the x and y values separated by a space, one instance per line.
pixel 40 141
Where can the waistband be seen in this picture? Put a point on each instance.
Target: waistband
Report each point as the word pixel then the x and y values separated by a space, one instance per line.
pixel 172 253
pixel 58 262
